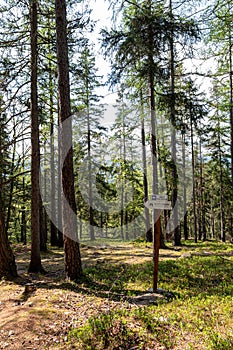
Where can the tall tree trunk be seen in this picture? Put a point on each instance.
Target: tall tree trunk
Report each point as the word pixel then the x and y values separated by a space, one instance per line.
pixel 222 213
pixel 43 227
pixel 185 222
pixel 199 195
pixel 90 179
pixel 122 198
pixel 156 213
pixel 231 101
pixel 53 220
pixel 43 213
pixel 23 225
pixel 193 181
pixel 35 262
pixel 202 201
pixel 125 210
pixel 176 229
pixel 73 266
pixel 53 212
pixel 145 180
pixel 12 180
pixel 59 191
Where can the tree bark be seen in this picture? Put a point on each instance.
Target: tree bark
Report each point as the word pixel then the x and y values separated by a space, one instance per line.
pixel 43 227
pixel 23 229
pixel 222 212
pixel 72 256
pixel 149 237
pixel 90 191
pixel 193 180
pixel 53 220
pixel 7 259
pixel 156 213
pixel 35 263
pixel 185 222
pixel 8 217
pixel 231 101
pixel 176 229
pixel 59 197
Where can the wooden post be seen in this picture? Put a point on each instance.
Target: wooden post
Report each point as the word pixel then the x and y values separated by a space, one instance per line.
pixel 156 246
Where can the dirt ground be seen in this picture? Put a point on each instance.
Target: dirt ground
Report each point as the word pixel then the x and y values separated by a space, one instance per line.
pixel 42 317
pixel 37 312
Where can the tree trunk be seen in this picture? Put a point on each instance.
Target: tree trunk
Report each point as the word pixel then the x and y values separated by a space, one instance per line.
pixel 53 213
pixel 222 213
pixel 72 256
pixel 149 237
pixel 23 224
pixel 231 102
pixel 7 259
pixel 185 223
pixel 90 191
pixel 193 181
pixel 199 194
pixel 125 210
pixel 53 220
pixel 154 156
pixel 35 263
pixel 122 198
pixel 59 197
pixel 176 229
pixel 43 228
pixel 12 181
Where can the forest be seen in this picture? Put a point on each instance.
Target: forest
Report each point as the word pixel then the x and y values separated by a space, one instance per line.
pixel 116 173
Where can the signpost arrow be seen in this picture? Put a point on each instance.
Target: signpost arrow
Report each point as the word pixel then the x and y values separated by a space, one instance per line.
pixel 158 204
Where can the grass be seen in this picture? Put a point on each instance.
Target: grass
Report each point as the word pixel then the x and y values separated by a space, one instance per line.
pixel 102 312
pixel 200 316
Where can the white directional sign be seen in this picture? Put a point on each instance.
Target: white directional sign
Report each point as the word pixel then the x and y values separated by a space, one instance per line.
pixel 158 204
pixel 159 197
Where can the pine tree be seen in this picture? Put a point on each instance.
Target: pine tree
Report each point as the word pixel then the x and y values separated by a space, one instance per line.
pixel 73 265
pixel 35 262
pixel 89 113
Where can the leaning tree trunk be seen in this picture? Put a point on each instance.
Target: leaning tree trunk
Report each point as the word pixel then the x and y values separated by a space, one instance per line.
pixel 7 260
pixel 72 256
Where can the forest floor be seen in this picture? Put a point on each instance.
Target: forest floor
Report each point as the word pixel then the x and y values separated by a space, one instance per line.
pixel 112 308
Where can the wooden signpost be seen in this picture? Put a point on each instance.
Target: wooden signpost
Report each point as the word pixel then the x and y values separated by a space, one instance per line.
pixel 157 203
